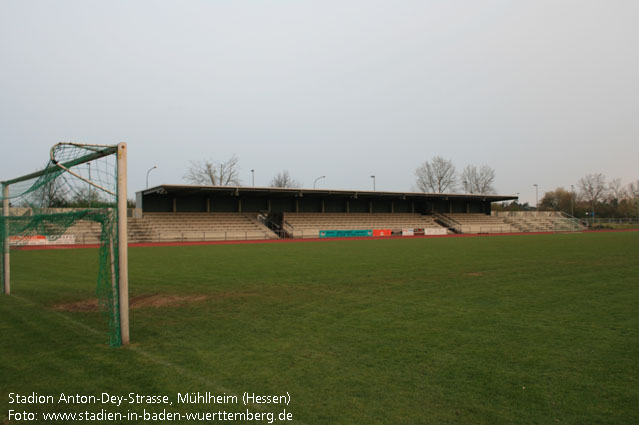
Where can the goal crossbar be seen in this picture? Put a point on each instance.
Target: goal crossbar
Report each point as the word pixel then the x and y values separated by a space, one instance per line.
pixel 108 150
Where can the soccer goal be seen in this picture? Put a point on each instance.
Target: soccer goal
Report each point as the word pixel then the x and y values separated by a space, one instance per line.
pixel 80 184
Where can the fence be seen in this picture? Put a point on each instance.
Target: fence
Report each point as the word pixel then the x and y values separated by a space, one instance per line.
pixel 90 238
pixel 612 220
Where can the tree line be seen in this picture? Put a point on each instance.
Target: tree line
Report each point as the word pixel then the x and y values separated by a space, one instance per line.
pixel 227 173
pixel 436 176
pixel 439 175
pixel 595 197
pixel 592 197
pixel 593 194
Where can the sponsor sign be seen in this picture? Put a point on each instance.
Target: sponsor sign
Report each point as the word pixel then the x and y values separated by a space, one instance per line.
pixel 382 232
pixel 41 240
pixel 62 240
pixel 28 240
pixel 344 233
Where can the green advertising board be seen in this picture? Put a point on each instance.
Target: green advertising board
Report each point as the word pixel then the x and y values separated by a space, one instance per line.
pixel 345 233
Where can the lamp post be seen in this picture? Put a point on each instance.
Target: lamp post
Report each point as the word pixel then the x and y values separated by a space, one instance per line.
pixel 147 175
pixel 315 182
pixel 572 200
pixel 89 164
pixel 536 199
pixel 373 177
pixel 252 177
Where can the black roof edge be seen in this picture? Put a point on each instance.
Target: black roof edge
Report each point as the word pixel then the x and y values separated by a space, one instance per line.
pixel 237 190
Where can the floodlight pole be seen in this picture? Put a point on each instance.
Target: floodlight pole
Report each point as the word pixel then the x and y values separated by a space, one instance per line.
pixel 5 255
pixel 123 284
pixel 373 177
pixel 315 182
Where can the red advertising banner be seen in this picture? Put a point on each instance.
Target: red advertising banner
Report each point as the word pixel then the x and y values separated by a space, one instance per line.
pixel 382 232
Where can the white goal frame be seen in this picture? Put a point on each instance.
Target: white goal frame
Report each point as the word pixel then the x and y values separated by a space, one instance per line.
pixel 123 262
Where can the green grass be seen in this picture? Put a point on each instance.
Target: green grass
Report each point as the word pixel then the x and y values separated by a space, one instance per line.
pixel 534 329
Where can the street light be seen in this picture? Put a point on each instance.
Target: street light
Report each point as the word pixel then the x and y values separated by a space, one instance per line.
pixel 320 177
pixel 536 199
pixel 89 164
pixel 373 177
pixel 147 175
pixel 253 178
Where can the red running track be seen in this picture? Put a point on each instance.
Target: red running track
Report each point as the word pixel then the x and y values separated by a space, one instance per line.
pixel 465 235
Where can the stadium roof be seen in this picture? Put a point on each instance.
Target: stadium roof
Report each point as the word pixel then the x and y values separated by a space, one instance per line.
pixel 186 190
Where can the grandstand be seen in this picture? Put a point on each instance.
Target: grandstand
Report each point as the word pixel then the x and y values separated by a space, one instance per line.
pixel 185 212
pixel 170 213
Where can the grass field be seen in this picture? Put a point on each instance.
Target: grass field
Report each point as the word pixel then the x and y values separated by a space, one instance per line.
pixel 535 329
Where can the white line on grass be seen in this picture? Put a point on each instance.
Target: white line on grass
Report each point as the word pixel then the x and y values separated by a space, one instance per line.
pixel 141 352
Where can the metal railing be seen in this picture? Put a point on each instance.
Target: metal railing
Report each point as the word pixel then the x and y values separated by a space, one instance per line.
pixel 91 238
pixel 621 220
pixel 510 228
pixel 204 236
pixel 450 223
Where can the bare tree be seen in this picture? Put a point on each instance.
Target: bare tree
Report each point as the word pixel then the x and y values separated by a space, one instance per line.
pixel 214 173
pixel 436 176
pixel 593 188
pixel 284 179
pixel 86 197
pixel 632 190
pixel 50 195
pixel 616 191
pixel 633 193
pixel 478 179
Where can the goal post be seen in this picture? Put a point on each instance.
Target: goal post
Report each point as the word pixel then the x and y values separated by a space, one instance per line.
pixel 123 252
pixel 79 182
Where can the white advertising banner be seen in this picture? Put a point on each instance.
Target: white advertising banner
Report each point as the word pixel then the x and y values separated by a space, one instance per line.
pixel 34 240
pixel 435 231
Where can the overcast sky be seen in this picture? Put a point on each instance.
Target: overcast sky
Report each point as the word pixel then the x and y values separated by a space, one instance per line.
pixel 542 91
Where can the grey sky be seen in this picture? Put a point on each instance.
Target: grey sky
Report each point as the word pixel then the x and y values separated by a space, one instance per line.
pixel 543 91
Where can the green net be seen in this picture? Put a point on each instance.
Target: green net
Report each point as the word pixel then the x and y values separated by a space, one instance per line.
pixel 76 189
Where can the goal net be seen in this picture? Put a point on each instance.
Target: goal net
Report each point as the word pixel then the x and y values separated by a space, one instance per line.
pixel 80 186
